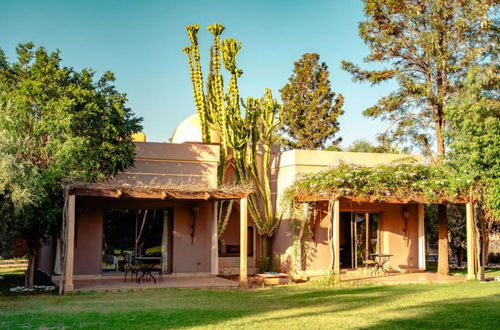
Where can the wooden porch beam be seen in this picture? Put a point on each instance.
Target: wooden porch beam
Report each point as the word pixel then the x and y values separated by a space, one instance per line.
pixel 471 242
pixel 70 246
pixel 130 193
pixel 336 236
pixel 243 240
pixel 389 199
pixel 214 264
pixel 421 236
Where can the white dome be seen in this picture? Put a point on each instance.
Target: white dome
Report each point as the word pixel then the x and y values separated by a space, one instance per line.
pixel 189 131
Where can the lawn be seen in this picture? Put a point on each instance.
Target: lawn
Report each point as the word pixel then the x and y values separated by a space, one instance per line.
pixel 490 272
pixel 458 305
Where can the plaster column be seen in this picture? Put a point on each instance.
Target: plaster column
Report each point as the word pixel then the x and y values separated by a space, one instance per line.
pixel 70 246
pixel 336 236
pixel 214 267
pixel 421 237
pixel 243 240
pixel 471 242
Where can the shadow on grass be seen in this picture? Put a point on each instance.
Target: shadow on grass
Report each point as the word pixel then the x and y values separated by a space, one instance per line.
pixel 187 308
pixel 481 313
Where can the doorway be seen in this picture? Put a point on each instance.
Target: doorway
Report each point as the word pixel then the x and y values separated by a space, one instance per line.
pixel 359 237
pixel 133 233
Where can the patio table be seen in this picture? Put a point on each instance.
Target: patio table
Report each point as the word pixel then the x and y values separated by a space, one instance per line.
pixel 147 265
pixel 381 261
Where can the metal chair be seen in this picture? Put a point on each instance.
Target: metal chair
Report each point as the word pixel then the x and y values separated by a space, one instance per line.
pixel 130 267
pixel 159 269
pixel 369 264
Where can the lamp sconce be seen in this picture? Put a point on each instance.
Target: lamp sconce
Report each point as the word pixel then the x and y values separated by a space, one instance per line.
pixel 315 215
pixel 406 218
pixel 194 212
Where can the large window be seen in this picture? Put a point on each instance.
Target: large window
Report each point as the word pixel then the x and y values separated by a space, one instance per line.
pixel 132 233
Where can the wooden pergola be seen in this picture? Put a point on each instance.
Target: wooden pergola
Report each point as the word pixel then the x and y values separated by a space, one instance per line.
pixel 420 200
pixel 170 192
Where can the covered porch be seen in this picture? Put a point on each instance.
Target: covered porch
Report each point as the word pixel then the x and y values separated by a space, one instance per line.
pixel 387 230
pixel 187 254
pixel 168 281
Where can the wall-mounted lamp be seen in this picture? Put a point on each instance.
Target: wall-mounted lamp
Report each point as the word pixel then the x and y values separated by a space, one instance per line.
pixel 315 214
pixel 406 218
pixel 194 211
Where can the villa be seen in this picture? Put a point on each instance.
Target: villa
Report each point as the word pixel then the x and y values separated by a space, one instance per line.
pixel 164 209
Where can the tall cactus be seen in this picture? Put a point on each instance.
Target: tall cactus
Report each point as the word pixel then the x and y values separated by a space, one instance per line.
pixel 249 137
pixel 211 105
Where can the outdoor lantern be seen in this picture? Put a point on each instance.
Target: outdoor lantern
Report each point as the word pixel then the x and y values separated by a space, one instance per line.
pixel 313 225
pixel 406 218
pixel 194 211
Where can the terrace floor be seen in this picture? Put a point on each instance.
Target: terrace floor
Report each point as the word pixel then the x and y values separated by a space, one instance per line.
pixel 401 278
pixel 354 276
pixel 167 282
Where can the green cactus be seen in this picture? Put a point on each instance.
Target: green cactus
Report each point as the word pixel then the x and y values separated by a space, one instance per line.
pixel 211 105
pixel 250 138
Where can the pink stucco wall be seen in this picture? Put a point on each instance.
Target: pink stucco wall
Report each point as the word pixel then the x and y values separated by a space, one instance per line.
pixel 187 257
pixel 405 252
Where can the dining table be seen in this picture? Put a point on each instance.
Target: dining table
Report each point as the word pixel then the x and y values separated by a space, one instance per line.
pixel 381 261
pixel 147 265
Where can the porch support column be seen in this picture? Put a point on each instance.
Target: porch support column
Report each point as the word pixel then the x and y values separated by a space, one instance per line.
pixel 243 240
pixel 471 242
pixel 336 236
pixel 214 265
pixel 70 246
pixel 421 237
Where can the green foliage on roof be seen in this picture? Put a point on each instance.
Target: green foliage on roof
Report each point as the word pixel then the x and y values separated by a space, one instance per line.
pixel 404 180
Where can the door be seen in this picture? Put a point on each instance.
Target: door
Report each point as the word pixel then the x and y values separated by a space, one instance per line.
pixel 366 233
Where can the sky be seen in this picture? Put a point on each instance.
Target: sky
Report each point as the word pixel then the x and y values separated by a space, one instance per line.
pixel 142 41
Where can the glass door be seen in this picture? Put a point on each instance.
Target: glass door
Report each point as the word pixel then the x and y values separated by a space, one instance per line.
pixel 129 234
pixel 367 236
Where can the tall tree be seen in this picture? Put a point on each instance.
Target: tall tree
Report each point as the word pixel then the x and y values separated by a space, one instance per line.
pixel 310 107
pixel 475 146
pixel 428 47
pixel 56 125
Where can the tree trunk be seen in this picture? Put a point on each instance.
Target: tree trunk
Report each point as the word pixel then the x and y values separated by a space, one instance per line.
pixel 485 242
pixel 460 256
pixel 443 262
pixel 265 253
pixel 30 271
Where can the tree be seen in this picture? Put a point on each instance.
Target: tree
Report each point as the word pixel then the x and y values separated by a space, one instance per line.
pixel 475 146
pixel 428 46
pixel 310 107
pixel 361 146
pixel 56 125
pixel 384 146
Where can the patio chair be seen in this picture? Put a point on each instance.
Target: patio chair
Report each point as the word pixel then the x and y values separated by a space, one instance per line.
pixel 158 269
pixel 130 267
pixel 370 266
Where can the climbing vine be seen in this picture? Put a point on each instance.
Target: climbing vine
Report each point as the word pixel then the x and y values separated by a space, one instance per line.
pixel 403 180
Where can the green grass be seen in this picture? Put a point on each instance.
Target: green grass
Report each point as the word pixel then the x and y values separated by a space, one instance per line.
pixel 458 305
pixel 490 272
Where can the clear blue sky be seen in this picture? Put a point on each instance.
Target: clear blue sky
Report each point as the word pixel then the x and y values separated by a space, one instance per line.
pixel 141 42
